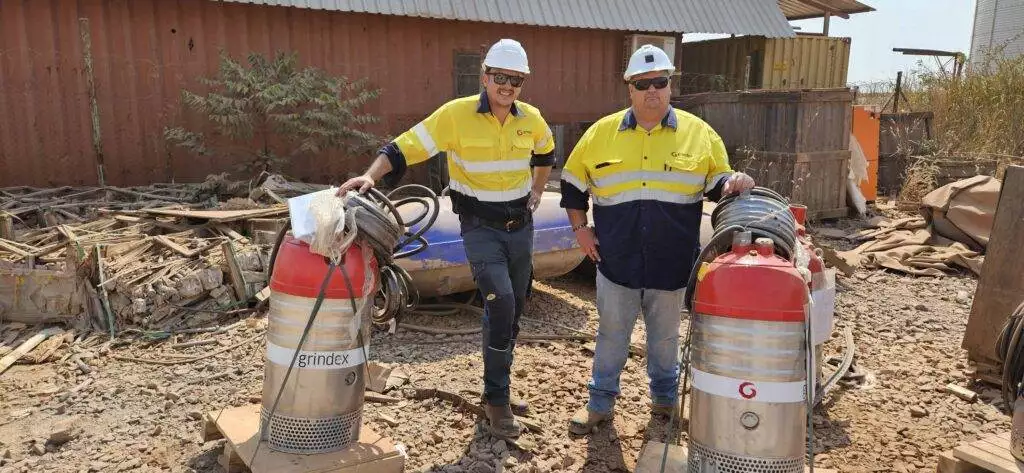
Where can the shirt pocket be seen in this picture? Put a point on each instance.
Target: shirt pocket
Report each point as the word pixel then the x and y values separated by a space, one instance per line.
pixel 687 165
pixel 603 168
pixel 478 149
pixel 522 146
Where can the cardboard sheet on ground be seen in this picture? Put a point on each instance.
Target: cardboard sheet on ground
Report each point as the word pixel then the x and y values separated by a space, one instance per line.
pixel 964 210
pixel 953 232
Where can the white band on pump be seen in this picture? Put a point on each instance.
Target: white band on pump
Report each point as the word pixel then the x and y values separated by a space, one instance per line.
pixel 315 360
pixel 746 390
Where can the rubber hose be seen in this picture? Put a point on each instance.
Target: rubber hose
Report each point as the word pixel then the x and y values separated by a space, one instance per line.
pixel 764 213
pixel 379 223
pixel 1010 351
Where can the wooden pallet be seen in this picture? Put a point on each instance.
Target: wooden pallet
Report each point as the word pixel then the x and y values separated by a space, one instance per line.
pixel 988 455
pixel 240 427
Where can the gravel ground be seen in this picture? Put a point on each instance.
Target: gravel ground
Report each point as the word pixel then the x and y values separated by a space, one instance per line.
pixel 142 417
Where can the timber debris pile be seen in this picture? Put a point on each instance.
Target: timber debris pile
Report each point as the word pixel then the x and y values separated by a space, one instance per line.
pixel 159 257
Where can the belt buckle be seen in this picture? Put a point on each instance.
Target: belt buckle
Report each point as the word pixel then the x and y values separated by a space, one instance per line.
pixel 509 224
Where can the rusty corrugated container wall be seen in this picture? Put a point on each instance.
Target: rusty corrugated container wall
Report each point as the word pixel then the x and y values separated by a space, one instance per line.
pixel 755 62
pixel 144 51
pixel 718 65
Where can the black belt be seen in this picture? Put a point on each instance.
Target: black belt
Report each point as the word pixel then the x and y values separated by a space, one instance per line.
pixel 511 225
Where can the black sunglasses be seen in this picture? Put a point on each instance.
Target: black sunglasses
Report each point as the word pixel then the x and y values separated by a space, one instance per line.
pixel 501 78
pixel 644 84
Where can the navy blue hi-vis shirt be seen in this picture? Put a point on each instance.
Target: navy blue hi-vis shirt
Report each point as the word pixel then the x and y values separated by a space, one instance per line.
pixel 648 190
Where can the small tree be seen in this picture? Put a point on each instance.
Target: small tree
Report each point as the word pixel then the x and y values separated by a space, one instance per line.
pixel 271 111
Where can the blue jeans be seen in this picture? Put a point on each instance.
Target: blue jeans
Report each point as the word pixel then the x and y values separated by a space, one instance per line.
pixel 617 309
pixel 501 262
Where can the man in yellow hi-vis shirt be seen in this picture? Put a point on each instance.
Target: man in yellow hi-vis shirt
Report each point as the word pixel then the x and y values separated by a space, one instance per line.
pixel 647 169
pixel 500 153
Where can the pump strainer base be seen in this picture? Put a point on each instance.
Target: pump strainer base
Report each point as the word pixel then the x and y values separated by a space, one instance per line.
pixel 310 436
pixel 718 462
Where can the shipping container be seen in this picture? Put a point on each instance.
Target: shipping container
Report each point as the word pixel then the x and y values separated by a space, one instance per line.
pixel 756 62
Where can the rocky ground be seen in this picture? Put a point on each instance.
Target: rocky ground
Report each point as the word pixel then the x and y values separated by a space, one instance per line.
pixel 131 416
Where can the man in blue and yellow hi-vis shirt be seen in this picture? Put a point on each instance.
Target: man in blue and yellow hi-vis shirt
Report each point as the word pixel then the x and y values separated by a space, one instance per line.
pixel 647 169
pixel 500 153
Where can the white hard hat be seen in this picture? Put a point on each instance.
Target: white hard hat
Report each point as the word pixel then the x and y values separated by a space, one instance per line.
pixel 508 54
pixel 646 59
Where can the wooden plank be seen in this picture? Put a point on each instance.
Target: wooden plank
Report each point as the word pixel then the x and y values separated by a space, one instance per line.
pixel 8 246
pixel 950 464
pixel 27 346
pixel 104 296
pixel 227 231
pixel 6 227
pixel 219 215
pixel 996 446
pixel 163 240
pixel 372 453
pixel 988 455
pixel 234 271
pixel 652 453
pixel 1002 282
pixel 230 461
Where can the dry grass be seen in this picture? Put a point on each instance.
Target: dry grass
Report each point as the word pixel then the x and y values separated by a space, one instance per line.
pixel 921 179
pixel 976 116
pixel 980 113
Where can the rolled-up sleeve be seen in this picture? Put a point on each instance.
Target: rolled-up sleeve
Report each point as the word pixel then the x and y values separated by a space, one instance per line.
pixel 719 170
pixel 575 190
pixel 397 161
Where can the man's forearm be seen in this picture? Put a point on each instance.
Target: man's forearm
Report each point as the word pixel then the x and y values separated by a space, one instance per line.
pixel 577 217
pixel 540 178
pixel 379 168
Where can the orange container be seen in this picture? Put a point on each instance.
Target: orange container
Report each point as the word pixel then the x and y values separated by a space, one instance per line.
pixel 866 127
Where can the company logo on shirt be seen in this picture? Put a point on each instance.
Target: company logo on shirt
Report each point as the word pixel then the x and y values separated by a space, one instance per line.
pixel 523 132
pixel 677 154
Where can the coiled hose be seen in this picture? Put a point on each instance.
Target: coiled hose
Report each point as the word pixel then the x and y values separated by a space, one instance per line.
pixel 1010 350
pixel 761 211
pixel 376 219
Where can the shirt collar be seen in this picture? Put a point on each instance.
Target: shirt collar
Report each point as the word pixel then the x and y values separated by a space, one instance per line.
pixel 485 106
pixel 629 121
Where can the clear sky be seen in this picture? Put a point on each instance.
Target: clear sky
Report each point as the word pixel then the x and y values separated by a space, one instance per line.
pixel 922 24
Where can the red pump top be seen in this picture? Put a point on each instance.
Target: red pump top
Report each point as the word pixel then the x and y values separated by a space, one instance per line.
pixel 299 272
pixel 751 282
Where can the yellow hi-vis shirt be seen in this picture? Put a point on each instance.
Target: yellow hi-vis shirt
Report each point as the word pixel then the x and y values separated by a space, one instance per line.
pixel 648 189
pixel 488 162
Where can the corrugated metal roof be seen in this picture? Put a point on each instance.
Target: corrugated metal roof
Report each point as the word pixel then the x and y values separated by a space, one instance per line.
pixel 798 9
pixel 748 17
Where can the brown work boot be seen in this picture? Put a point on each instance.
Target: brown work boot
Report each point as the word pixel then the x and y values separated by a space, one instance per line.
pixel 665 410
pixel 584 420
pixel 501 423
pixel 519 405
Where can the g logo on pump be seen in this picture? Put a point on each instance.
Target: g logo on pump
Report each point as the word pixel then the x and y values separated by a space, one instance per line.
pixel 747 390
